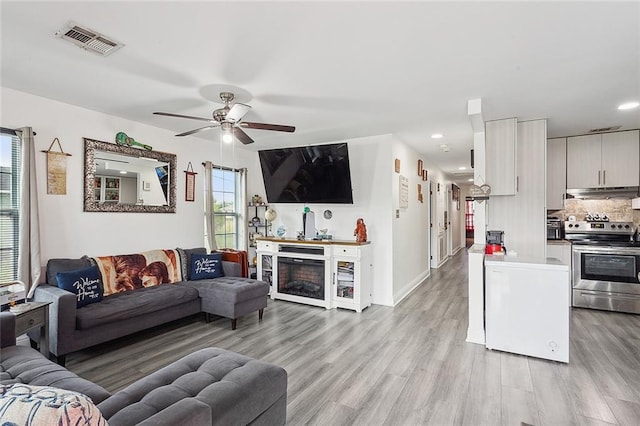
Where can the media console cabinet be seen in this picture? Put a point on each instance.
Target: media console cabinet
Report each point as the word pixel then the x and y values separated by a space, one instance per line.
pixel 326 273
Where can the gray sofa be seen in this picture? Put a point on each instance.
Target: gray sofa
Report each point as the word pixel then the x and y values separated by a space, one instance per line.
pixel 209 387
pixel 120 314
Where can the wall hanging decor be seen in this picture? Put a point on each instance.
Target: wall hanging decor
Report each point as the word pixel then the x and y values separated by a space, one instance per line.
pixel 397 165
pixel 420 198
pixel 480 193
pixel 420 165
pixel 424 174
pixel 56 169
pixel 123 139
pixel 190 183
pixel 404 192
pixel 455 195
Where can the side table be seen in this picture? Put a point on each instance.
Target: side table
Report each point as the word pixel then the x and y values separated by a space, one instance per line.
pixel 33 315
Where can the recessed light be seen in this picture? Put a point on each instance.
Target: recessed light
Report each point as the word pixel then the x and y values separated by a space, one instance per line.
pixel 628 105
pixel 470 180
pixel 462 168
pixel 123 172
pixel 437 136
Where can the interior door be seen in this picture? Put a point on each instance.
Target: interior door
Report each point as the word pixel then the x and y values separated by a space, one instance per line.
pixel 433 226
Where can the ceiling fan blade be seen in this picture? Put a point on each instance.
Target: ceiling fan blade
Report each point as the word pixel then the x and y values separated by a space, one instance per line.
pixel 264 126
pixel 242 136
pixel 190 132
pixel 237 111
pixel 168 114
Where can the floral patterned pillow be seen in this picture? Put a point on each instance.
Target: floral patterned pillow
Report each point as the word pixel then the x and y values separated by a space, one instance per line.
pixel 29 405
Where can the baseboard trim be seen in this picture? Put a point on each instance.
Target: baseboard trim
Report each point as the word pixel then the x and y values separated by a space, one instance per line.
pixel 409 288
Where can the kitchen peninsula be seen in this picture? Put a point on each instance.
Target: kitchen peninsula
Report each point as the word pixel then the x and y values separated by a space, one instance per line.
pixel 325 273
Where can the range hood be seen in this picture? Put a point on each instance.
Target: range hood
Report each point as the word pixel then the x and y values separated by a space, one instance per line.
pixel 623 192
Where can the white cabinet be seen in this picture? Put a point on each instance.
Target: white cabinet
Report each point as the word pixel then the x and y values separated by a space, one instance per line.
pixel 561 250
pixel 603 160
pixel 556 173
pixel 264 254
pixel 107 189
pixel 351 266
pixel 584 161
pixel 333 274
pixel 621 159
pixel 501 156
pixel 522 216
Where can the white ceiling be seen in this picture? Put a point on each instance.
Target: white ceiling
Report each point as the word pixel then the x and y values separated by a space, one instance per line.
pixel 338 70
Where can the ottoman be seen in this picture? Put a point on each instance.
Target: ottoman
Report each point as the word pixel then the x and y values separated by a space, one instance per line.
pixel 211 386
pixel 232 297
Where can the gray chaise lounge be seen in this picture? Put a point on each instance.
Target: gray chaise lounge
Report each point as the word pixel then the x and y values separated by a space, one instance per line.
pixel 209 387
pixel 72 329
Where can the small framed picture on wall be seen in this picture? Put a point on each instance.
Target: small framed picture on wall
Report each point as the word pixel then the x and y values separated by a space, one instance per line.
pixel 190 184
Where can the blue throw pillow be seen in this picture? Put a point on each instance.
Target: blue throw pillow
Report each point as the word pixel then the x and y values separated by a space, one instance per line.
pixel 86 284
pixel 204 266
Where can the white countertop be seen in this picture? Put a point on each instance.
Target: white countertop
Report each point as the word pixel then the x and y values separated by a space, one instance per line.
pixel 477 249
pixel 526 262
pixel 559 242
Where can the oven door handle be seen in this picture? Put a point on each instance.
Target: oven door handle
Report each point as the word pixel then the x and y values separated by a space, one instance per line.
pixel 609 295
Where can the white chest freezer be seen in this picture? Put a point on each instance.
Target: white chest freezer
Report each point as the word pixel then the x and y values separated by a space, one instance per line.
pixel 527 306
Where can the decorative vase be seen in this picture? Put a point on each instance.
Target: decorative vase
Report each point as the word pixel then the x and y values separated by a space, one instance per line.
pixel 270 214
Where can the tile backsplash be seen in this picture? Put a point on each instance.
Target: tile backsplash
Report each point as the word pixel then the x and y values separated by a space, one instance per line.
pixel 617 210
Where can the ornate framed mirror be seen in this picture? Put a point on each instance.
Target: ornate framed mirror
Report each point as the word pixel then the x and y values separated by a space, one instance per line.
pixel 120 178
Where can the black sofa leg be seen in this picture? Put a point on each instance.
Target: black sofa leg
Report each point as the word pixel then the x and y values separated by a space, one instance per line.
pixel 260 314
pixel 234 322
pixel 60 359
pixel 207 317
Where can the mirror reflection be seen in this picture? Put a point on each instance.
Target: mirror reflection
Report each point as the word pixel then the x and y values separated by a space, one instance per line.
pixel 130 180
pixel 121 178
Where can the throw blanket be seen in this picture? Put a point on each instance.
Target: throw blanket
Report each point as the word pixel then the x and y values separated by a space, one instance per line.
pixel 131 271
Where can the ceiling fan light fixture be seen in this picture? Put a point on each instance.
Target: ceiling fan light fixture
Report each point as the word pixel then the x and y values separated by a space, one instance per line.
pixel 227 135
pixel 229 118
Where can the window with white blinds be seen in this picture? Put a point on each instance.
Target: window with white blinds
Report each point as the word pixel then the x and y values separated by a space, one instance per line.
pixel 226 206
pixel 9 202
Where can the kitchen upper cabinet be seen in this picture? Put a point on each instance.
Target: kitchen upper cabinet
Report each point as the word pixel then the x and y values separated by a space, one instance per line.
pixel 501 156
pixel 584 158
pixel 556 173
pixel 621 159
pixel 603 160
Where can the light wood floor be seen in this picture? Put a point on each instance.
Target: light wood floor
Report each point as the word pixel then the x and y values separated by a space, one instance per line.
pixel 406 365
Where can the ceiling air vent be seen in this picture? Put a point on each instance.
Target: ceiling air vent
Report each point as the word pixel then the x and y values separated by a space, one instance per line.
pixel 604 129
pixel 88 39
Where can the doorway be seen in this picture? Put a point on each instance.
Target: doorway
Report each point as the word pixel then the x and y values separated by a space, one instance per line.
pixel 468 222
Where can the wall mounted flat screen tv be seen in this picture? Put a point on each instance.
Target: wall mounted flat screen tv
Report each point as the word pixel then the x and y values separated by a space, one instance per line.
pixel 307 174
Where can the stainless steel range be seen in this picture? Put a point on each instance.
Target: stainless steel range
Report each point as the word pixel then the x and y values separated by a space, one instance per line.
pixel 606 265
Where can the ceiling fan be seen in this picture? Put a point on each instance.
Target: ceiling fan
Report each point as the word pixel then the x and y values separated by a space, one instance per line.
pixel 229 118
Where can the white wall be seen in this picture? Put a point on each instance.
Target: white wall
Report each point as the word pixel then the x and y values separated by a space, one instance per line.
pixel 67 231
pixel 400 246
pixel 369 163
pixel 411 229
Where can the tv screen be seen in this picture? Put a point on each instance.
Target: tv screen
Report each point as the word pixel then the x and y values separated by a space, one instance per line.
pixel 308 174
